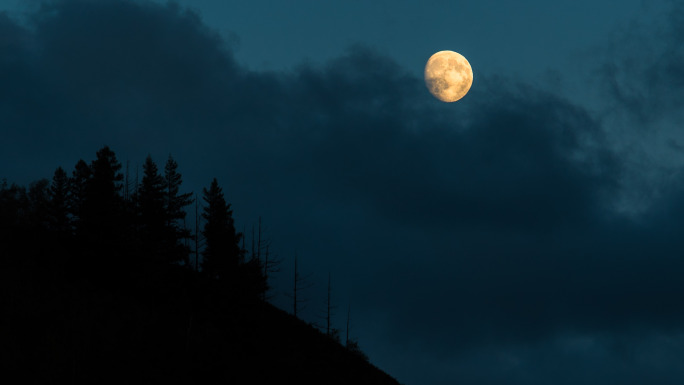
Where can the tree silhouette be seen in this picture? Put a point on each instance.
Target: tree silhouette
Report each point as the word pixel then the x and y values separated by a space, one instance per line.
pixel 329 309
pixel 197 233
pixel 271 265
pixel 175 204
pixel 152 216
pixel 261 263
pixel 102 227
pixel 95 189
pixel 299 283
pixel 104 188
pixel 352 344
pixel 252 278
pixel 78 184
pixel 39 204
pixel 222 250
pixel 59 198
pixel 13 221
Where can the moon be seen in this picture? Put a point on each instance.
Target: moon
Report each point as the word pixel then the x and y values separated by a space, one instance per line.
pixel 448 76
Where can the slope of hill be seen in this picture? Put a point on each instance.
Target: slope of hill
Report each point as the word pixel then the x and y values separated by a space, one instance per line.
pixel 168 325
pixel 92 289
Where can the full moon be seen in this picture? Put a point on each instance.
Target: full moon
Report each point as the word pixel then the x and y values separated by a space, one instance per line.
pixel 448 76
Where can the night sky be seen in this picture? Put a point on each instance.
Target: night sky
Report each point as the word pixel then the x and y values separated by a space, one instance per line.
pixel 530 233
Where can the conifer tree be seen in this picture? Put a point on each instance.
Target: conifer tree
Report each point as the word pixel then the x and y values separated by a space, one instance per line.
pixel 102 202
pixel 39 204
pixel 221 254
pixel 59 197
pixel 102 226
pixel 106 182
pixel 175 204
pixel 151 210
pixel 78 182
pixel 13 206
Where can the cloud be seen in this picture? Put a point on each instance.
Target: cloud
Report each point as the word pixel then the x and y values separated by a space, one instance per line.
pixel 642 72
pixel 641 84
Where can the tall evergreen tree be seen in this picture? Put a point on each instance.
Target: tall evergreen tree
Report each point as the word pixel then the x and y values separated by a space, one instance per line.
pixel 59 197
pixel 175 203
pixel 13 222
pixel 106 182
pixel 103 199
pixel 221 254
pixel 103 227
pixel 36 236
pixel 95 192
pixel 152 211
pixel 78 183
pixel 39 204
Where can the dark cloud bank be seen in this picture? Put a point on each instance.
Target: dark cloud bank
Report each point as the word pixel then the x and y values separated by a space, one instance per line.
pixel 477 241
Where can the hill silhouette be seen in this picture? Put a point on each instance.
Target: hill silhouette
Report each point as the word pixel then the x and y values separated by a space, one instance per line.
pixel 173 327
pixel 96 287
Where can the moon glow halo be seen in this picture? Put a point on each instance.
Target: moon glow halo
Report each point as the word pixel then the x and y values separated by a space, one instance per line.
pixel 448 76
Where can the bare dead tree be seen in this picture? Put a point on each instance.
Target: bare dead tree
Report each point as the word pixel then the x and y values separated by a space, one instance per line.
pixel 261 251
pixel 329 308
pixel 299 283
pixel 346 342
pixel 351 344
pixel 296 281
pixel 258 245
pixel 271 265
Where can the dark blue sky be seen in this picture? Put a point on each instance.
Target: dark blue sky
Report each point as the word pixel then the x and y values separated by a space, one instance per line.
pixel 527 234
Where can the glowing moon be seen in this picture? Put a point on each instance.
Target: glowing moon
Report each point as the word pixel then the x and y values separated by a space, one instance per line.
pixel 448 76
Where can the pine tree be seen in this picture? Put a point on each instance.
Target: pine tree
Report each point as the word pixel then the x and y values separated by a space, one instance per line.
pixel 13 222
pixel 39 204
pixel 152 215
pixel 102 203
pixel 78 182
pixel 175 204
pixel 102 228
pixel 221 254
pixel 59 198
pixel 106 182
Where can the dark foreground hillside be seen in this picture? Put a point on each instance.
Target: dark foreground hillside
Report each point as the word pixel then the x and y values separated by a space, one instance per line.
pixel 96 287
pixel 168 325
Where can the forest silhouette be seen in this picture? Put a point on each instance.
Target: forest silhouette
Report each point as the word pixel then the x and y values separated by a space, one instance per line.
pixel 103 281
